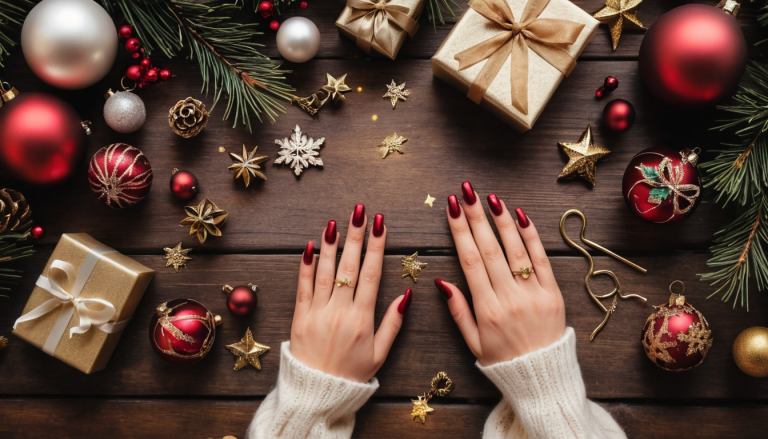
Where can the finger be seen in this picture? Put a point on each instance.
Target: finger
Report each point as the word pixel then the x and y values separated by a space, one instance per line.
pixel 326 265
pixel 349 264
pixel 390 326
pixel 462 315
pixel 469 256
pixel 538 256
pixel 495 263
pixel 306 281
pixel 517 254
pixel 370 273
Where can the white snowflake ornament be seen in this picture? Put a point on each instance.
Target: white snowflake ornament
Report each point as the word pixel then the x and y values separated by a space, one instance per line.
pixel 299 152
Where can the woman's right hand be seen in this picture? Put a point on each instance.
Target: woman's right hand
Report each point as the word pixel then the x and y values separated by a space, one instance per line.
pixel 514 316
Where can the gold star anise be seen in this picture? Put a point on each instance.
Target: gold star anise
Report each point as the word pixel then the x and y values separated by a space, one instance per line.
pixel 246 166
pixel 204 219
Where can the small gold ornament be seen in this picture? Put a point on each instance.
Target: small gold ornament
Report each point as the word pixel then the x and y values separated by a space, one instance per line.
pixel 618 15
pixel 332 90
pixel 396 92
pixel 582 157
pixel 390 144
pixel 247 165
pixel 420 407
pixel 15 214
pixel 750 351
pixel 3 342
pixel 247 351
pixel 412 267
pixel 204 219
pixel 430 200
pixel 177 257
pixel 188 117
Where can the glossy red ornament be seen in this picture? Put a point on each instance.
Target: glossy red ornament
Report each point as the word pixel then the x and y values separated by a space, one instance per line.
pixel 182 331
pixel 661 185
pixel 145 64
pixel 183 185
pixel 132 44
pixel 611 83
pixel 274 25
pixel 618 115
pixel 165 74
pixel 693 56
pixel 120 175
pixel 303 5
pixel 133 73
pixel 136 55
pixel 242 299
pixel 41 139
pixel 266 9
pixel 151 75
pixel 125 31
pixel 37 232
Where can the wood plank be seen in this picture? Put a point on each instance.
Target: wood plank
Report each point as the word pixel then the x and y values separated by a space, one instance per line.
pixel 614 365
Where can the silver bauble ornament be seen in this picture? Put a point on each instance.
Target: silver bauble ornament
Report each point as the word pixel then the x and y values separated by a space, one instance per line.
pixel 124 112
pixel 69 44
pixel 298 39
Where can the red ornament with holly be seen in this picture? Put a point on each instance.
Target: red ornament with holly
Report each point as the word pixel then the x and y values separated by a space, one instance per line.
pixel 182 331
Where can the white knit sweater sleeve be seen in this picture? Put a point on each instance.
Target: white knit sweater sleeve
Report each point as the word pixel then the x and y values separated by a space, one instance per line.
pixel 544 397
pixel 308 403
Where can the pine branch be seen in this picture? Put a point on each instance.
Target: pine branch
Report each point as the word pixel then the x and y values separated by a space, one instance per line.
pixel 10 250
pixel 738 174
pixel 12 14
pixel 750 105
pixel 436 8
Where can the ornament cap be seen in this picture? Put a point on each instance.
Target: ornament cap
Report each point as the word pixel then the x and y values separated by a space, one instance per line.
pixel 730 7
pixel 676 299
pixel 8 92
pixel 227 289
pixel 109 94
pixel 253 287
pixel 217 320
pixel 86 124
pixel 690 156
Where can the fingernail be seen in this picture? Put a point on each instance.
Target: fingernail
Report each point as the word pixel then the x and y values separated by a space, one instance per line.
pixel 378 225
pixel 522 218
pixel 309 257
pixel 330 233
pixel 468 193
pixel 405 303
pixel 453 207
pixel 440 284
pixel 358 217
pixel 495 204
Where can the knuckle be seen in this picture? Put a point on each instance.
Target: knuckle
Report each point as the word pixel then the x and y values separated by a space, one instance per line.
pixel 370 275
pixel 324 281
pixel 505 223
pixel 493 254
pixel 461 229
pixel 303 297
pixel 514 308
pixel 475 217
pixel 472 260
pixel 348 268
pixel 375 247
pixel 494 317
pixel 355 238
pixel 541 261
pixel 395 326
pixel 519 254
pixel 459 316
pixel 306 275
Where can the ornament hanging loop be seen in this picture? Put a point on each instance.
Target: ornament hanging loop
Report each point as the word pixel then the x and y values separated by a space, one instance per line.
pixel 676 298
pixel 122 84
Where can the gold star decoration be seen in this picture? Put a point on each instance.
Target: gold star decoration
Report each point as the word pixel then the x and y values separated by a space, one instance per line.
pixel 420 409
pixel 430 200
pixel 247 165
pixel 395 92
pixel 390 144
pixel 412 267
pixel 204 219
pixel 247 351
pixel 177 257
pixel 618 15
pixel 335 87
pixel 582 157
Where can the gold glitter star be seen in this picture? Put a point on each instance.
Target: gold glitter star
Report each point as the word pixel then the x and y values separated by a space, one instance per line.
pixel 395 92
pixel 390 144
pixel 430 200
pixel 335 87
pixel 582 157
pixel 412 267
pixel 177 257
pixel 420 409
pixel 247 351
pixel 246 166
pixel 619 14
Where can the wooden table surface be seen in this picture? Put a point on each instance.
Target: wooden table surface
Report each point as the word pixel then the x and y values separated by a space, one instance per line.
pixel 450 140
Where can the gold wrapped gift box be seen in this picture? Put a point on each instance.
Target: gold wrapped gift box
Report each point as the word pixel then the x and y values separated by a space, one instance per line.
pixel 83 279
pixel 381 25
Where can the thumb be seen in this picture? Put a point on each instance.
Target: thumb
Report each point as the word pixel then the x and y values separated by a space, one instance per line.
pixel 390 326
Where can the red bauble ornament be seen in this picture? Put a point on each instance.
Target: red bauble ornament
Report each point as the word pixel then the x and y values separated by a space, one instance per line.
pixel 274 25
pixel 133 73
pixel 182 331
pixel 183 185
pixel 611 83
pixel 120 175
pixel 151 75
pixel 41 139
pixel 600 92
pixel 132 44
pixel 662 185
pixel 693 56
pixel 242 299
pixel 677 336
pixel 125 31
pixel 303 5
pixel 136 55
pixel 37 232
pixel 266 9
pixel 618 115
pixel 165 74
pixel 145 64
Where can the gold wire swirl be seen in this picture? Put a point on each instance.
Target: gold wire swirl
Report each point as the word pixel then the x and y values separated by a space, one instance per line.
pixel 441 391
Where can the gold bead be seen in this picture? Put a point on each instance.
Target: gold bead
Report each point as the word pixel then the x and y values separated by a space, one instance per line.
pixel 750 351
pixel 217 320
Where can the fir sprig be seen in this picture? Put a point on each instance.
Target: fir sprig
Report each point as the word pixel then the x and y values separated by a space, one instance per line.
pixel 436 9
pixel 10 250
pixel 12 14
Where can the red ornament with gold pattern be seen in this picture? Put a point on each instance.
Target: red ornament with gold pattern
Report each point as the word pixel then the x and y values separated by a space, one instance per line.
pixel 662 185
pixel 677 336
pixel 182 331
pixel 120 175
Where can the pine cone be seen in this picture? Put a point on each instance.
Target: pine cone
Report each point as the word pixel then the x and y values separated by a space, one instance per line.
pixel 3 342
pixel 188 117
pixel 15 214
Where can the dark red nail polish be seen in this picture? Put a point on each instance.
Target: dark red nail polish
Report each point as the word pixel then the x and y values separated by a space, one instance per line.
pixel 378 225
pixel 405 303
pixel 468 193
pixel 358 217
pixel 440 284
pixel 309 257
pixel 495 204
pixel 453 207
pixel 330 233
pixel 522 218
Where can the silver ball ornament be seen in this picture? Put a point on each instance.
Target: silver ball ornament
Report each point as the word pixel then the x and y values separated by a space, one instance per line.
pixel 69 44
pixel 124 112
pixel 298 39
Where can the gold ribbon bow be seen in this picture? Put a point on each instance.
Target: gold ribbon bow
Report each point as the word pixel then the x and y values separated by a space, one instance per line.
pixel 548 37
pixel 667 178
pixel 376 19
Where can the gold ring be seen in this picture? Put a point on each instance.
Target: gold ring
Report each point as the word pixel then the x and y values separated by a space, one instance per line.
pixel 524 272
pixel 343 282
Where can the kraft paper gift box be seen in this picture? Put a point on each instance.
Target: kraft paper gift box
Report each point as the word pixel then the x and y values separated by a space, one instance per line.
pixel 82 302
pixel 496 54
pixel 381 25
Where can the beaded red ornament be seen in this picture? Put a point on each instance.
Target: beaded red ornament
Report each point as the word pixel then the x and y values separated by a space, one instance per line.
pixel 120 175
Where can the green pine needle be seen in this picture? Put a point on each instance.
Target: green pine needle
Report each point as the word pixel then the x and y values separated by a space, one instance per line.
pixel 10 250
pixel 12 14
pixel 435 11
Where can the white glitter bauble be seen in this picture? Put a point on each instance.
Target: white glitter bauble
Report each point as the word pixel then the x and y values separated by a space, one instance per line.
pixel 298 39
pixel 69 44
pixel 125 112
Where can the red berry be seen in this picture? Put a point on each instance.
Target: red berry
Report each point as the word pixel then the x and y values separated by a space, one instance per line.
pixel 266 9
pixel 135 55
pixel 37 232
pixel 145 64
pixel 303 5
pixel 599 92
pixel 133 73
pixel 125 31
pixel 611 83
pixel 274 25
pixel 132 44
pixel 151 75
pixel 165 74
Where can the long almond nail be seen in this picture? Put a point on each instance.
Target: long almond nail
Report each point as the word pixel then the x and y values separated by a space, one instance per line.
pixel 468 193
pixel 453 207
pixel 378 225
pixel 309 256
pixel 405 303
pixel 522 218
pixel 440 284
pixel 330 233
pixel 358 216
pixel 495 204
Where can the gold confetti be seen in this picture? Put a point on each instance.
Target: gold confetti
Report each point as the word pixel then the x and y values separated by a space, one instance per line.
pixel 430 200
